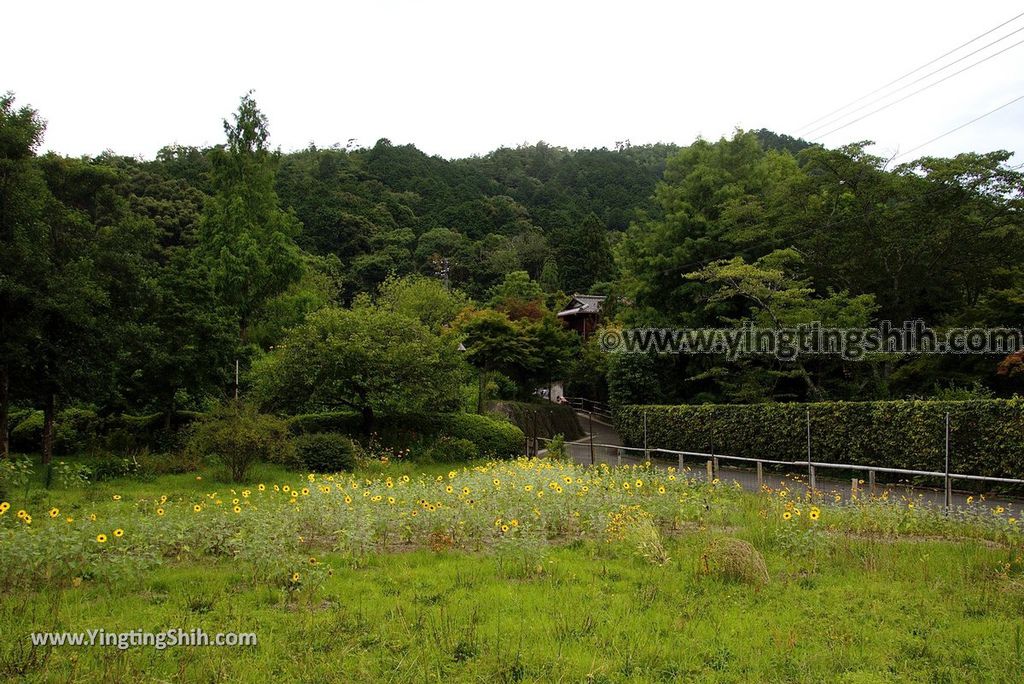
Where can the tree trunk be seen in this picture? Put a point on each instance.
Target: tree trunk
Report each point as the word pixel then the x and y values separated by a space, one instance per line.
pixel 4 408
pixel 368 419
pixel 48 412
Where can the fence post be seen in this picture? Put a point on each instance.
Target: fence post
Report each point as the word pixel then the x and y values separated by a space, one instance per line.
pixel 871 481
pixel 647 455
pixel 760 477
pixel 680 463
pixel 949 482
pixel 853 488
pixel 590 417
pixel 810 468
pixel 710 473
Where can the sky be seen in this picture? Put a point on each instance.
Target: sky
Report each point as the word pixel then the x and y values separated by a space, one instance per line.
pixel 464 78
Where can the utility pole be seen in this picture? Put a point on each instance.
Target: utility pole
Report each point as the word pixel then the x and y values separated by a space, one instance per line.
pixel 590 416
pixel 236 379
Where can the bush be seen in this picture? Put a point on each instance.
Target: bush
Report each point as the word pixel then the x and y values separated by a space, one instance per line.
pixel 74 430
pixel 451 450
pixel 493 437
pixel 987 436
pixel 237 436
pixel 110 467
pixel 325 452
pixel 734 559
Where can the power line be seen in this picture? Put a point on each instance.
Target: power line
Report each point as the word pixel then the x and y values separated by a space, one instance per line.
pixel 915 92
pixel 914 71
pixel 916 81
pixel 963 125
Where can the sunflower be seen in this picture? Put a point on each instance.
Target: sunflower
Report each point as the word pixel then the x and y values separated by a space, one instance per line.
pixel 786 515
pixel 262 487
pixel 4 507
pixel 27 520
pixel 237 509
pixel 101 538
pixel 54 512
pixel 465 491
pixel 23 514
pixel 449 489
pixel 295 577
pixel 159 511
pixel 661 489
pixel 197 508
pixel 92 517
pixel 348 499
pixel 117 497
pixel 118 533
pixel 312 561
pixel 814 514
pixel 504 528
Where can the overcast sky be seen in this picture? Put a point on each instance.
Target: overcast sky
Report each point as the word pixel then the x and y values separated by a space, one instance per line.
pixel 462 78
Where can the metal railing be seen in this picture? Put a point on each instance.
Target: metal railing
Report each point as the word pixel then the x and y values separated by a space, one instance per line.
pixel 598 408
pixel 711 461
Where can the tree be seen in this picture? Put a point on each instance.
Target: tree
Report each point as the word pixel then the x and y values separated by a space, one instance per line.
pixel 426 300
pixel 246 240
pixel 366 359
pixel 23 195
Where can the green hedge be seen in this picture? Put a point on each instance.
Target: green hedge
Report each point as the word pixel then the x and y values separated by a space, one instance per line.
pixel 987 436
pixel 493 437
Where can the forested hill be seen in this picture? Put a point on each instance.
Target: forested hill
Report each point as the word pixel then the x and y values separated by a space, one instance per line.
pixel 390 208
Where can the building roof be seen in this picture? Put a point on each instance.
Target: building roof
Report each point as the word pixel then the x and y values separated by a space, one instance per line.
pixel 583 304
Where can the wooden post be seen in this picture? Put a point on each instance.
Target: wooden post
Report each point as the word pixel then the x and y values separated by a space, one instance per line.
pixel 718 469
pixel 813 487
pixel 871 481
pixel 590 417
pixel 711 475
pixel 853 488
pixel 680 463
pixel 760 477
pixel 949 482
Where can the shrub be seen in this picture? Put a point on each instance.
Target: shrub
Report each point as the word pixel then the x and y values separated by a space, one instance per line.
pixel 171 463
pixel 325 452
pixel 492 436
pixel 447 449
pixel 237 436
pixel 74 430
pixel 987 436
pixel 734 559
pixel 110 467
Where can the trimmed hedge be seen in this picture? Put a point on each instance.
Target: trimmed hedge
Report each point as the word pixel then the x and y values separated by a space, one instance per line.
pixel 986 436
pixel 493 437
pixel 322 452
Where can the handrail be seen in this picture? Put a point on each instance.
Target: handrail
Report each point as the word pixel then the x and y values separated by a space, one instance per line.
pixel 816 464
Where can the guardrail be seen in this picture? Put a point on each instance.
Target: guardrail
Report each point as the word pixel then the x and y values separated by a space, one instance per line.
pixel 712 467
pixel 585 405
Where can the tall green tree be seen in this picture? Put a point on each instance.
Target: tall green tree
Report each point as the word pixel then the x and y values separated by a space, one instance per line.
pixel 245 238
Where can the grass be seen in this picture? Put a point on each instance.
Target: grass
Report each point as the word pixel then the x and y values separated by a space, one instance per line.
pixel 872 591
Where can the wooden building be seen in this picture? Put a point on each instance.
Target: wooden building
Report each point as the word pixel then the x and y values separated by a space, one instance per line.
pixel 583 314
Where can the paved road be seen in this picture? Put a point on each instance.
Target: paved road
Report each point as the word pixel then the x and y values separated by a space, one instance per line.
pixel 796 479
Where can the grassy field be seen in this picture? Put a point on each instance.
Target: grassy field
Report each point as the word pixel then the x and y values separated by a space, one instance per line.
pixel 528 571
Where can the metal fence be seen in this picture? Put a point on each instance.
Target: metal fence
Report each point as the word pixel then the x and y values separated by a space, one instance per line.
pixel 752 471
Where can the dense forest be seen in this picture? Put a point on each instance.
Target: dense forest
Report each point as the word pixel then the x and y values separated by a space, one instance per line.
pixel 132 286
